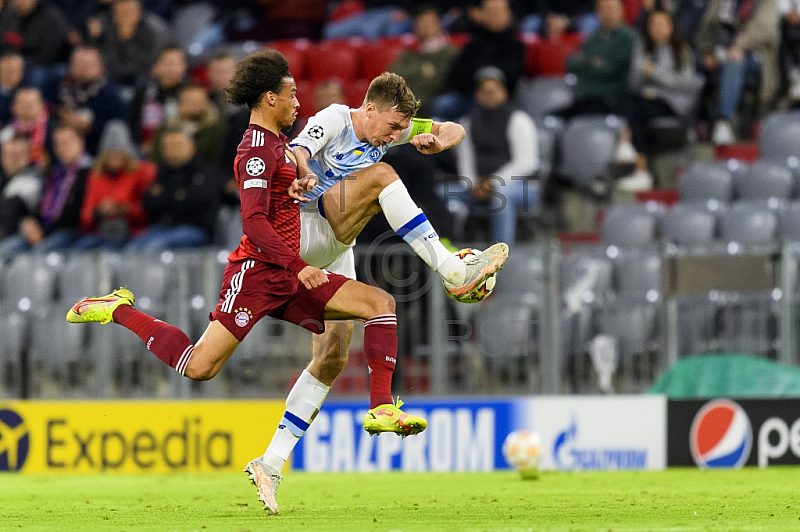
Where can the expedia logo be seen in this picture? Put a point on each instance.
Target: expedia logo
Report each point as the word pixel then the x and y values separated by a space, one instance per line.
pixel 721 435
pixel 14 441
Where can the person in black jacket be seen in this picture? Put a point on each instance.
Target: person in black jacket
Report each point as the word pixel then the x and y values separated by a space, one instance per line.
pixel 54 226
pixel 183 201
pixel 493 44
pixel 43 30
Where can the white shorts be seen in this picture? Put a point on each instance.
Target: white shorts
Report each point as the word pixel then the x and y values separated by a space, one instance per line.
pixel 319 247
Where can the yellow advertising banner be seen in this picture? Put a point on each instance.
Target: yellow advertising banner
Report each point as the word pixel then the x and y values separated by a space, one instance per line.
pixel 134 436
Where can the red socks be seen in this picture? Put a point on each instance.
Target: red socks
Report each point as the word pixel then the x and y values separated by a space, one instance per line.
pixel 165 341
pixel 380 347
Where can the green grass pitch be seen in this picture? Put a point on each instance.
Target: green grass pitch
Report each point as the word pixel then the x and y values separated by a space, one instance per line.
pixel 674 500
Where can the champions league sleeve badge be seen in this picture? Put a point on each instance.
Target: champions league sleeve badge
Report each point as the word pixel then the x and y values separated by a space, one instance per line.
pixel 316 132
pixel 255 166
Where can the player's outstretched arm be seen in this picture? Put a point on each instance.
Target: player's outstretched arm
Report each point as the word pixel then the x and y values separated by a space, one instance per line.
pixel 306 180
pixel 443 136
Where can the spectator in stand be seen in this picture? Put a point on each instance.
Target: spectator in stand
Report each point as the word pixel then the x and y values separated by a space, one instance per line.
pixel 662 83
pixel 112 210
pixel 602 64
pixel 129 42
pixel 184 200
pixel 378 18
pixel 221 68
pixel 12 74
pixel 31 120
pixel 156 98
pixel 426 65
pixel 55 225
pixel 579 15
pixel 686 15
pixel 198 116
pixel 21 187
pixel 789 11
pixel 738 39
pixel 498 156
pixel 494 43
pixel 328 93
pixel 10 38
pixel 43 31
pixel 85 99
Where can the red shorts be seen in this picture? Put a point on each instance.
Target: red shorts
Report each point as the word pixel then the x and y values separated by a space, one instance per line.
pixel 252 289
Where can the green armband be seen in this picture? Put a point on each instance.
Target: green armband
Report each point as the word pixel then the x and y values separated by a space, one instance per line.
pixel 420 125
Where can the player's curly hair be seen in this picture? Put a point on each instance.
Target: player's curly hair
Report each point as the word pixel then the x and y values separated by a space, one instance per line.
pixel 389 91
pixel 257 74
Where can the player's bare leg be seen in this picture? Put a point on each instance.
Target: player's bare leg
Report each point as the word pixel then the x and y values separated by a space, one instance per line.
pixel 330 351
pixel 353 201
pixel 211 351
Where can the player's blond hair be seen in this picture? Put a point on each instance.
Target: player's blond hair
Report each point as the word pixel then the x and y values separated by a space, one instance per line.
pixel 390 91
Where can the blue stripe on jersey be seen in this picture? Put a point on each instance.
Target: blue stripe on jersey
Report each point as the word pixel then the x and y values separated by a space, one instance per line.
pixel 412 224
pixel 301 146
pixel 299 423
pixel 321 208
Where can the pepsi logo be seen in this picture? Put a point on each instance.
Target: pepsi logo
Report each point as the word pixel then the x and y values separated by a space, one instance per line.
pixel 721 435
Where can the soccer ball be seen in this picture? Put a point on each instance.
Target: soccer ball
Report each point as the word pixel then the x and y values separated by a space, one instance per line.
pixel 480 292
pixel 522 449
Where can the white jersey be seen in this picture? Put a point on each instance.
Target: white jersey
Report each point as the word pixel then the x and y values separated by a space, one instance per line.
pixel 335 150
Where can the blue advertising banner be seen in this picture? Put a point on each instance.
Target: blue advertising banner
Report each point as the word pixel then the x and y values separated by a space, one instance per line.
pixel 462 435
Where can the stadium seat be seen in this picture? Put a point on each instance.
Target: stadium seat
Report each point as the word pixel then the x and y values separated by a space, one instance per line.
pixel 634 224
pixel 13 334
pixel 147 275
pixel 778 135
pixel 687 224
pixel 28 280
pixel 587 151
pixel 697 325
pixel 748 324
pixel 546 146
pixel 78 277
pixel 521 279
pixel 632 322
pixel 763 180
pixel 295 51
pixel 789 222
pixel 637 274
pixel 354 92
pixel 229 228
pixel 60 356
pixel 332 60
pixel 376 57
pixel 189 20
pixel 544 57
pixel 704 181
pixel 305 96
pixel 544 95
pixel 747 223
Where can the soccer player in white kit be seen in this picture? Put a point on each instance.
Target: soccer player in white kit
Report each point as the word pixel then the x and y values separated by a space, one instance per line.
pixel 341 186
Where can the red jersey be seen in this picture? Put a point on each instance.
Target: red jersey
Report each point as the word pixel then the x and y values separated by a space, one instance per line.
pixel 265 167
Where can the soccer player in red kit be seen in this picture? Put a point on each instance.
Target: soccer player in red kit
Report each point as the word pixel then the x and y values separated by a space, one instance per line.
pixel 265 275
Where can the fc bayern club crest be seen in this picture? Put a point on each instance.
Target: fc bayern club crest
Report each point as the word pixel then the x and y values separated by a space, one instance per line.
pixel 255 166
pixel 242 317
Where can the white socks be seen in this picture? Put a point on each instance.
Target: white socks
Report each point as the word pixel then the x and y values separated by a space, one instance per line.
pixel 302 405
pixel 411 224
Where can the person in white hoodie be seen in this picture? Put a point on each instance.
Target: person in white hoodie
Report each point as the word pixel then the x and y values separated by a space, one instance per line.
pixel 499 155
